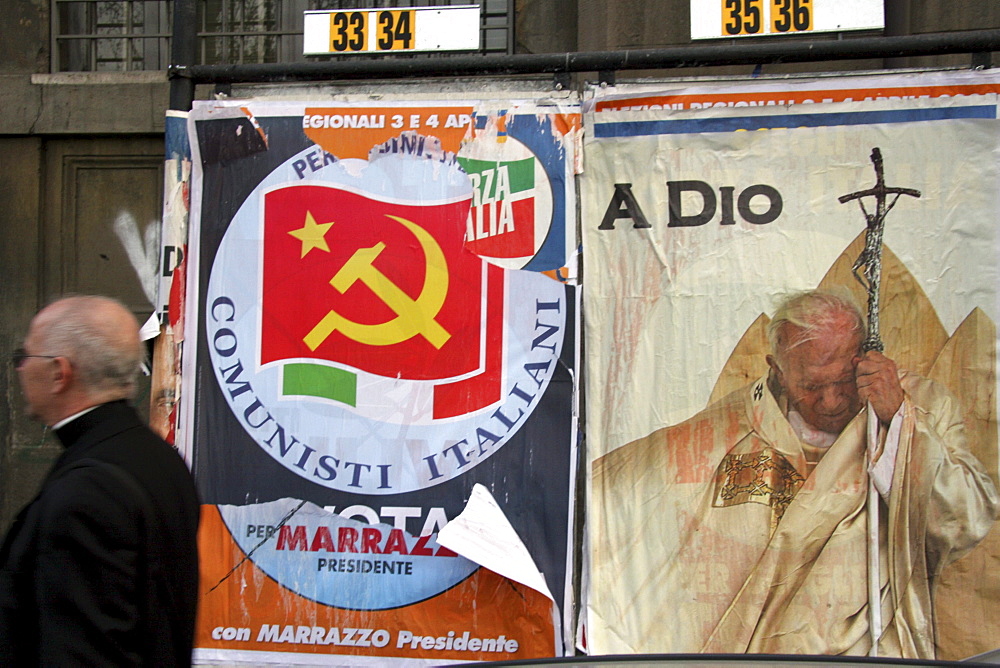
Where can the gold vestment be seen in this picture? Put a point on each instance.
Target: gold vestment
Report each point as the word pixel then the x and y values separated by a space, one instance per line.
pixel 713 535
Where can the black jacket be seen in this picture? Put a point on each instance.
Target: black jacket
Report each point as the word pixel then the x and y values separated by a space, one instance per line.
pixel 101 568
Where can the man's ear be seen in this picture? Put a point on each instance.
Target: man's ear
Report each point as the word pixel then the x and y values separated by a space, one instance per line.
pixel 773 363
pixel 775 379
pixel 62 375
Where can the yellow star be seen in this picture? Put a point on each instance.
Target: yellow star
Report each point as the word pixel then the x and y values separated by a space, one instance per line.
pixel 312 235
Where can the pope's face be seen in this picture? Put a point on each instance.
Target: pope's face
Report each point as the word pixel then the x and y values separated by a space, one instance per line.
pixel 818 378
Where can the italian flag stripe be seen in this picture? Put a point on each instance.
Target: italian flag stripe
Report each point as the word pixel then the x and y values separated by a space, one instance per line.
pixel 317 380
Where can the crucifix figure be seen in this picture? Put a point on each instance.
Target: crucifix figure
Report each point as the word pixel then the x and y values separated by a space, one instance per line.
pixel 871 256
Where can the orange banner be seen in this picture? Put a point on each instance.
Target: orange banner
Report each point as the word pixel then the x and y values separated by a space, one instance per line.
pixel 351 132
pixel 280 620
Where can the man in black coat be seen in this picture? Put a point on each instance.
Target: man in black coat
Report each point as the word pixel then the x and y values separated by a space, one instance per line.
pixel 101 569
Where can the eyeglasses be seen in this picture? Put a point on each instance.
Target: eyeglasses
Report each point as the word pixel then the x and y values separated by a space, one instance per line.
pixel 19 355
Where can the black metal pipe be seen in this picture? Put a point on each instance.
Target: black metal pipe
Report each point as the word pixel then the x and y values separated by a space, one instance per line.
pixel 183 53
pixel 739 53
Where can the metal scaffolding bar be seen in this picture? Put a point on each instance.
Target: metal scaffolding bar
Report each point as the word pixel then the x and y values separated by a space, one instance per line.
pixel 740 53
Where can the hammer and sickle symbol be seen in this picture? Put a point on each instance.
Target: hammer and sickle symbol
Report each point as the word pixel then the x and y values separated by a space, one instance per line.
pixel 413 316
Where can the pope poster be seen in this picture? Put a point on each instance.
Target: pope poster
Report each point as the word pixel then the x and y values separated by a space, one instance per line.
pixel 791 368
pixel 380 330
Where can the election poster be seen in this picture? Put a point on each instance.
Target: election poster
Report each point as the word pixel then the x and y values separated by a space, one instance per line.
pixel 166 376
pixel 380 378
pixel 802 488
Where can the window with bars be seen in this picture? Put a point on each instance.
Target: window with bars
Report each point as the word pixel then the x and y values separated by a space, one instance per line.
pixel 132 35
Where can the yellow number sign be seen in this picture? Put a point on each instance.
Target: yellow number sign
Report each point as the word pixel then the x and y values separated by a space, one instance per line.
pixel 395 30
pixel 747 17
pixel 791 15
pixel 352 32
pixel 742 17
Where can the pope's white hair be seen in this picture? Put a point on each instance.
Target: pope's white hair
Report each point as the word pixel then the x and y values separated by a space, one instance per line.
pixel 814 314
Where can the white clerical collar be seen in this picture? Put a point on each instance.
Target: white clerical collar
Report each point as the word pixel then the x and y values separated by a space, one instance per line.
pixel 66 421
pixel 809 434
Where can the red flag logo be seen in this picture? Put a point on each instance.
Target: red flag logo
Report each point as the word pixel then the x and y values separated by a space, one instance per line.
pixel 378 286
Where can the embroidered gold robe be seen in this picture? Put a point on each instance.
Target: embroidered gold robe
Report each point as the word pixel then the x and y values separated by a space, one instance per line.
pixel 713 536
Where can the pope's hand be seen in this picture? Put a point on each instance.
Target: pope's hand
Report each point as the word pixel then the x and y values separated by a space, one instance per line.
pixel 878 383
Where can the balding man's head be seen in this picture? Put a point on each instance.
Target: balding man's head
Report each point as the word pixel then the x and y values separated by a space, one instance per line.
pixel 98 337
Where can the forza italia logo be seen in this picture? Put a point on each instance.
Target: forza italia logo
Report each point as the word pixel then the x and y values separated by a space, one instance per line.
pixel 512 199
pixel 366 348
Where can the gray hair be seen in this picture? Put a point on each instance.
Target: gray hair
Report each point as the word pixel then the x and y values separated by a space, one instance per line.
pixel 815 313
pixel 100 337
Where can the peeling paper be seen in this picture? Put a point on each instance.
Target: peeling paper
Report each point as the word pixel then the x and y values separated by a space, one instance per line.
pixel 235 135
pixel 151 328
pixel 482 534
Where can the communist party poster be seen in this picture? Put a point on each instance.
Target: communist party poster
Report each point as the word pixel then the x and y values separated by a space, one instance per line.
pixel 380 351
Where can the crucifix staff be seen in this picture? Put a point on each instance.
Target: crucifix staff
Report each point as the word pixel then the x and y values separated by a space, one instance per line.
pixel 871 256
pixel 871 278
